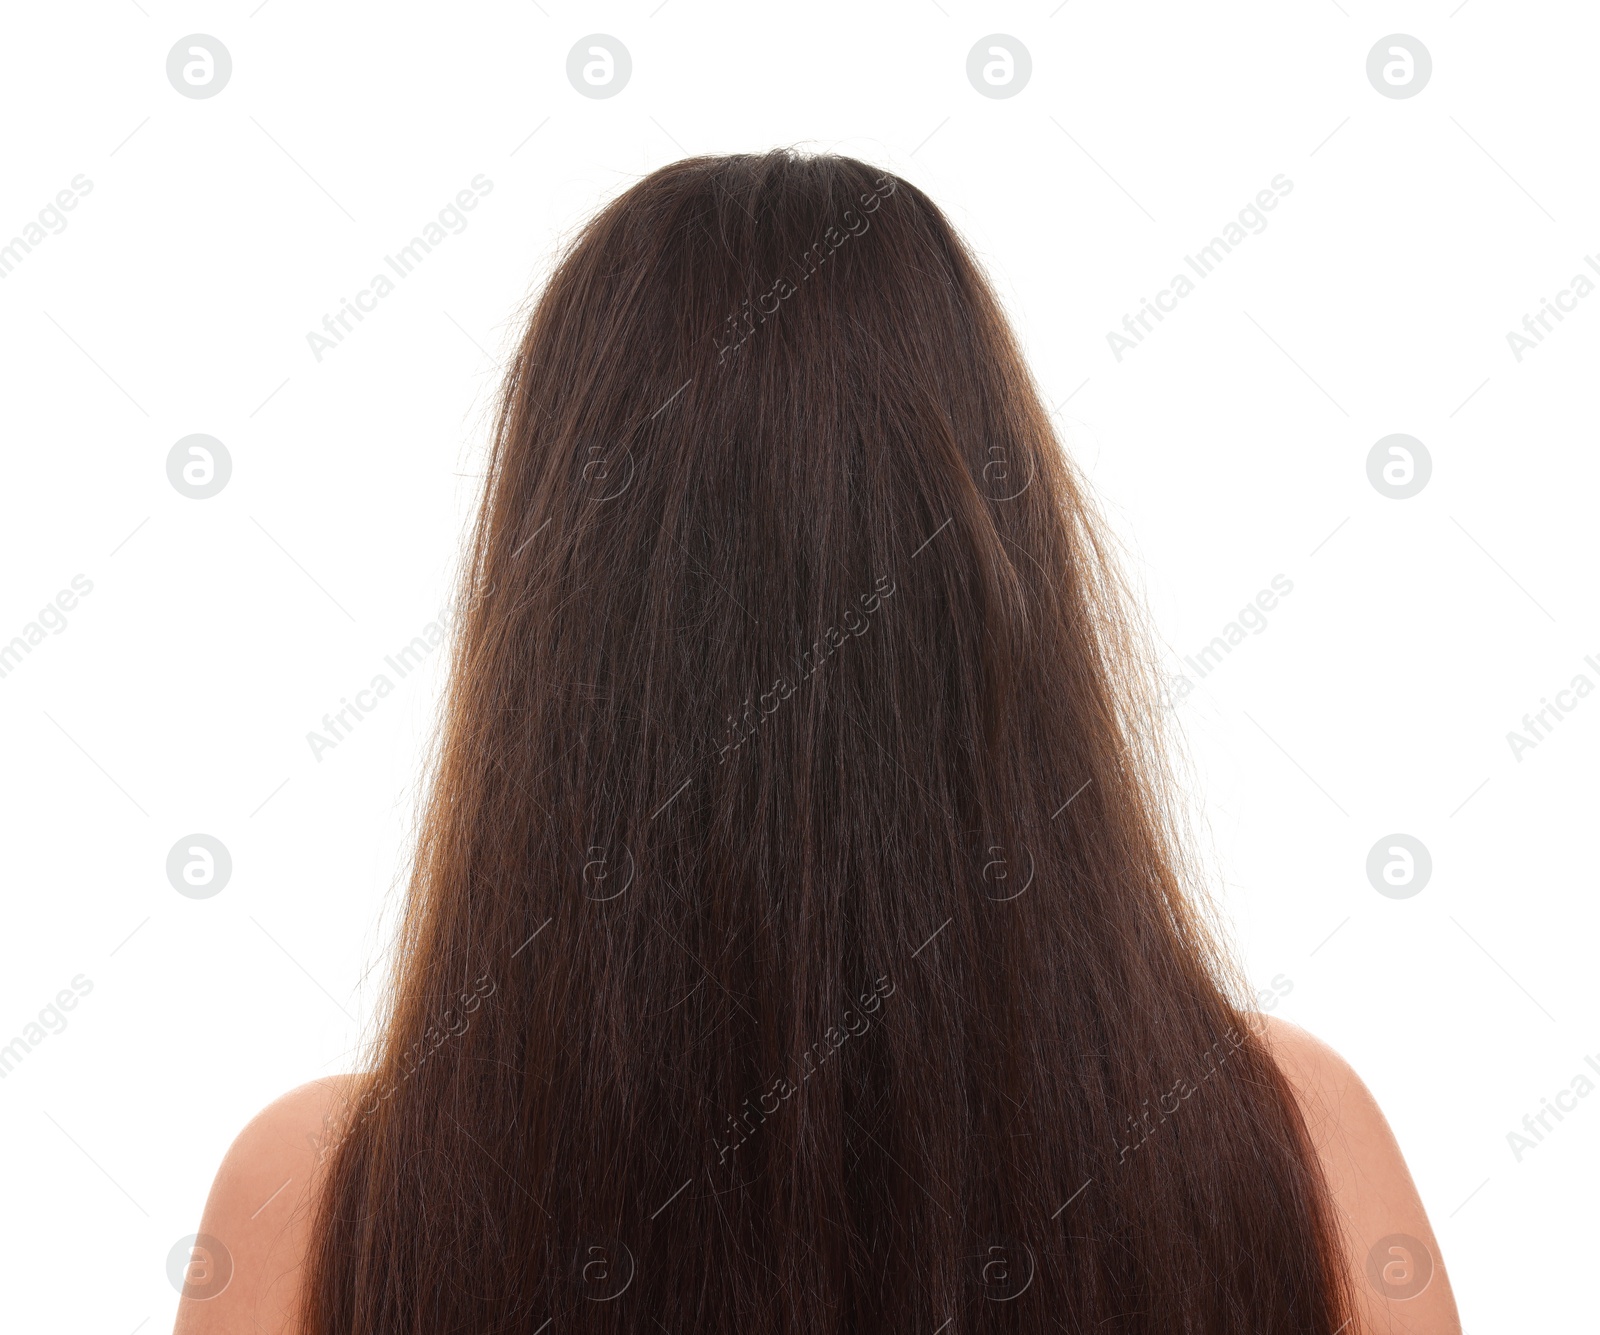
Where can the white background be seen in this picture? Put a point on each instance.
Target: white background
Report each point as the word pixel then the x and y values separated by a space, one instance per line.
pixel 1228 448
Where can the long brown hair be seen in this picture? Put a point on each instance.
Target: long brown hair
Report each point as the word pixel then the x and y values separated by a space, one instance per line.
pixel 798 939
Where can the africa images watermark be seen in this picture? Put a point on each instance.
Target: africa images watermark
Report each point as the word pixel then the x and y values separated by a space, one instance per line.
pixel 743 322
pixel 51 221
pixel 1537 726
pixel 433 1038
pixel 50 1021
pixel 745 1123
pixel 450 220
pixel 1141 1122
pixel 1536 1125
pixel 1251 220
pixel 51 617
pixel 341 723
pixel 1252 617
pixel 742 727
pixel 1537 325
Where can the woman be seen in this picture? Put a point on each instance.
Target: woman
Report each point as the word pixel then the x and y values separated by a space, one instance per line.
pixel 798 937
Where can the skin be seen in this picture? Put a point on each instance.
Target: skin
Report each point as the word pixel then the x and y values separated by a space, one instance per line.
pixel 266 1234
pixel 1373 1194
pixel 261 1201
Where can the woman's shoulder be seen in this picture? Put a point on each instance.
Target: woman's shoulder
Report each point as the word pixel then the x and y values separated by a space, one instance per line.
pixel 247 1262
pixel 256 1227
pixel 1397 1273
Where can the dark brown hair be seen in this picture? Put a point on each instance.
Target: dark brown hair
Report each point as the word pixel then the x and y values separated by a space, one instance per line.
pixel 797 939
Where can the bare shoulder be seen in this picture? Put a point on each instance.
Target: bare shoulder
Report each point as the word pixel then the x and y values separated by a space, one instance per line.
pixel 248 1263
pixel 245 1272
pixel 1397 1272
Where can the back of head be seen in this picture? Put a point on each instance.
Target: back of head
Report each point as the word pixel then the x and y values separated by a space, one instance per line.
pixel 796 939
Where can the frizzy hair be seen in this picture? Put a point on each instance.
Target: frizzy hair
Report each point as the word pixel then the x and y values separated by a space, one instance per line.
pixel 958 806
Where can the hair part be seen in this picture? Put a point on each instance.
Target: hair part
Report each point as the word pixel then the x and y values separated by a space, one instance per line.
pixel 800 826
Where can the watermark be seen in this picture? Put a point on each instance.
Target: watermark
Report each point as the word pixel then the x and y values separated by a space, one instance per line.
pixel 749 1119
pixel 1008 1269
pixel 1214 1057
pixel 1399 866
pixel 605 1269
pixel 997 873
pixel 199 466
pixel 1536 1125
pixel 51 618
pixel 339 725
pixel 598 873
pixel 999 65
pixel 1251 619
pixel 1399 466
pixel 199 866
pixel 1267 998
pixel 741 727
pixel 1399 1266
pixel 738 327
pixel 1399 65
pixel 1541 723
pixel 1565 302
pixel 50 221
pixel 199 65
pixel 199 1266
pixel 411 1061
pixel 604 480
pixel 599 65
pixel 51 1020
pixel 998 482
pixel 1251 220
pixel 451 220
